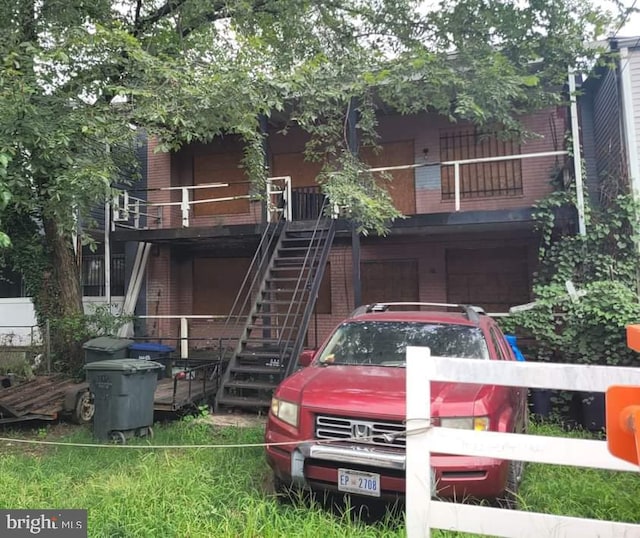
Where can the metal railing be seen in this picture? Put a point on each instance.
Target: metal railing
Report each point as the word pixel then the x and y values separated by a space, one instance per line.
pixel 130 212
pixel 307 287
pixel 458 163
pixel 135 212
pixel 138 213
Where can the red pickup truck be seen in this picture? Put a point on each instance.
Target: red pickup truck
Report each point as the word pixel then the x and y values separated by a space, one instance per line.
pixel 344 412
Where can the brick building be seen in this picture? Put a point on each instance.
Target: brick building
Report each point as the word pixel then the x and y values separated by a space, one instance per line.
pixel 482 252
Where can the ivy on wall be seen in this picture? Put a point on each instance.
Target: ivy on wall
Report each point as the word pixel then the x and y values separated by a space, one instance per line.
pixel 588 327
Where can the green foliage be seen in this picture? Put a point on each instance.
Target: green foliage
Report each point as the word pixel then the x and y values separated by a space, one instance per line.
pixel 100 321
pixel 602 265
pixel 79 82
pixel 359 193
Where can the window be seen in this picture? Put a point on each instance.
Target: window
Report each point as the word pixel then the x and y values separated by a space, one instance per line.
pixel 11 284
pixel 485 179
pixel 384 343
pixel 93 277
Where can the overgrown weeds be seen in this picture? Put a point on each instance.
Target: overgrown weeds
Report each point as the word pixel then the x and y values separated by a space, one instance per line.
pixel 226 492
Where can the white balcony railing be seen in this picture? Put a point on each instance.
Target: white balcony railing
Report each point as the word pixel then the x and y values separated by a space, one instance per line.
pixel 137 213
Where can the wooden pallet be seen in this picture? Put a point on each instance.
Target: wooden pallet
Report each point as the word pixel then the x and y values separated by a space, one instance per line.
pixel 41 398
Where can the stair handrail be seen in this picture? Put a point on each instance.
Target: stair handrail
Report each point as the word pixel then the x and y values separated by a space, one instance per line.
pixel 257 268
pixel 305 287
pixel 316 282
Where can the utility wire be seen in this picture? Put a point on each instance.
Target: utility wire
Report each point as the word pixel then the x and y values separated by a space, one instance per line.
pixel 391 438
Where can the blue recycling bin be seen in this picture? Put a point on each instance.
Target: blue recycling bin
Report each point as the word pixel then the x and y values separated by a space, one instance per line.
pixel 153 351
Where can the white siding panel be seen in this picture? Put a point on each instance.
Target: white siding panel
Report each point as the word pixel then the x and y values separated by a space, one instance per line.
pixel 634 71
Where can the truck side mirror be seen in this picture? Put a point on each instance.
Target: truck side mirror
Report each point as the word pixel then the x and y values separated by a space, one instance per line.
pixel 306 357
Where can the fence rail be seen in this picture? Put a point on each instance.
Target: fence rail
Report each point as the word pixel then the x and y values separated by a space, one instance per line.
pixel 424 513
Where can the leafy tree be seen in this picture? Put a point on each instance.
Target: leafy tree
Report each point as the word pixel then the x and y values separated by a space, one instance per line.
pixel 80 79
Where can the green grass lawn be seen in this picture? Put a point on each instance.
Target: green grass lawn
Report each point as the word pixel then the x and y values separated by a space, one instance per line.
pixel 226 492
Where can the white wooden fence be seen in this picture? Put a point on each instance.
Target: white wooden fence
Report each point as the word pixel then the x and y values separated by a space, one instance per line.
pixel 425 513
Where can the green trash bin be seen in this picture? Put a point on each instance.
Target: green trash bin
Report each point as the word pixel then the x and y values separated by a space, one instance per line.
pixel 106 348
pixel 123 392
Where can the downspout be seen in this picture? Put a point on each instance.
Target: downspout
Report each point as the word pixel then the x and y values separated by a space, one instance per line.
pixel 577 153
pixel 629 129
pixel 107 253
pixel 352 140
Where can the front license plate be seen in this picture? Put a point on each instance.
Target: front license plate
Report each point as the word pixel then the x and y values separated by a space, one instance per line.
pixel 359 482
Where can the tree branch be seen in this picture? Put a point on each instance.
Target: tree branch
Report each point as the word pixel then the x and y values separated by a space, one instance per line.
pixel 142 24
pixel 136 20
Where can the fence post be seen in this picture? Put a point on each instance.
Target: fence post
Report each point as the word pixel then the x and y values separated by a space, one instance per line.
pixel 184 338
pixel 184 207
pixel 418 458
pixel 456 184
pixel 47 329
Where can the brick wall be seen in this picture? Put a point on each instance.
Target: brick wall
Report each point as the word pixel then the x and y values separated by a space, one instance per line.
pixel 429 252
pixel 422 130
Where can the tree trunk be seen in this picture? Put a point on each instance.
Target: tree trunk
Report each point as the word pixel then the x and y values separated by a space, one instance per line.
pixel 66 312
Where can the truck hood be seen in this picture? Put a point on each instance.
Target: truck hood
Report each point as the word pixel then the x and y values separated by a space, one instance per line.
pixel 377 391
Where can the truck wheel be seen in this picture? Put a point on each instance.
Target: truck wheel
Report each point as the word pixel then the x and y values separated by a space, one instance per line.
pixel 509 498
pixel 84 408
pixel 283 491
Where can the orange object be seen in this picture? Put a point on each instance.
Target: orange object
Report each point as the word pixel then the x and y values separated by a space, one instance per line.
pixel 623 422
pixel 633 337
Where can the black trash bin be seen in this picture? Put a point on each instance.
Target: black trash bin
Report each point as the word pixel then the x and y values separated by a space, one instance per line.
pixel 123 391
pixel 106 348
pixel 153 351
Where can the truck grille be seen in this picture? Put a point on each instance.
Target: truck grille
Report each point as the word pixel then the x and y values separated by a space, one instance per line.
pixel 361 430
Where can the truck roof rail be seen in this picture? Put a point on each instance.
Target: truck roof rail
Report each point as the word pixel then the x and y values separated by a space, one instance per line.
pixel 472 312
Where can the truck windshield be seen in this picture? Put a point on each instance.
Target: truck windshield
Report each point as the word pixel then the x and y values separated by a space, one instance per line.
pixel 384 343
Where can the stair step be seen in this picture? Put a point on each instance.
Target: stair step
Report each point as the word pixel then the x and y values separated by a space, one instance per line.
pixel 272 302
pixel 249 354
pixel 306 241
pixel 239 401
pixel 284 279
pixel 293 249
pixel 278 342
pixel 256 370
pixel 305 229
pixel 273 351
pixel 287 268
pixel 280 327
pixel 256 385
pixel 293 259
pixel 291 288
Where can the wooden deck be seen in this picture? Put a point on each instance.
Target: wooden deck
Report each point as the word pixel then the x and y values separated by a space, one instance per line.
pixel 188 392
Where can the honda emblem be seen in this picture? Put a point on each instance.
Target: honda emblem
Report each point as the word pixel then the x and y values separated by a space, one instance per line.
pixel 361 431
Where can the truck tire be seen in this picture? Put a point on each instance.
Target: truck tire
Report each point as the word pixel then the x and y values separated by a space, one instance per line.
pixel 509 498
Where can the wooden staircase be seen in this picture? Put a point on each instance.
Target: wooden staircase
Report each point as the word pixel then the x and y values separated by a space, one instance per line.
pixel 280 304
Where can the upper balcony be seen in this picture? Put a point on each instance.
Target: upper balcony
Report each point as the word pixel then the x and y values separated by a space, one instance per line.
pixel 441 174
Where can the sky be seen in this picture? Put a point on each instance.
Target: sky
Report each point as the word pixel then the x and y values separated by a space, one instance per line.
pixel 632 27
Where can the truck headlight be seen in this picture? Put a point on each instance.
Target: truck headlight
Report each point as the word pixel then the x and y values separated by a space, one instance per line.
pixel 479 424
pixel 285 411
